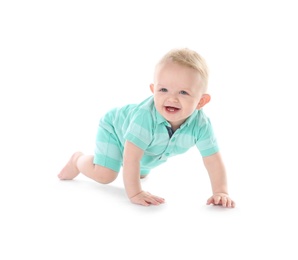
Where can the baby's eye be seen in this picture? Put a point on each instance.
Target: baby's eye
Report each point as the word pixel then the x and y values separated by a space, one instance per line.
pixel 183 92
pixel 163 90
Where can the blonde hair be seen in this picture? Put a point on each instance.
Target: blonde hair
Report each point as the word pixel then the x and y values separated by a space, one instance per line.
pixel 188 58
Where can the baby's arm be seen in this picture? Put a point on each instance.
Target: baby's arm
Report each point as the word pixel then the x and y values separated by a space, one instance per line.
pixel 218 178
pixel 131 176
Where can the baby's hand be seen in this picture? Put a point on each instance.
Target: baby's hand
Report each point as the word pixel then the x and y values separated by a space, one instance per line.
pixel 221 199
pixel 145 198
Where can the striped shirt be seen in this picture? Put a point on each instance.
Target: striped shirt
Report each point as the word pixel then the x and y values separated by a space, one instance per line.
pixel 142 125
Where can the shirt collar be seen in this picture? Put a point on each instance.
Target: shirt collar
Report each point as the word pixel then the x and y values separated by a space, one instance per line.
pixel 190 118
pixel 160 119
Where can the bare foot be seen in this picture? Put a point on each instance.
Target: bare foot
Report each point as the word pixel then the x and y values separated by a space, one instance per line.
pixel 70 171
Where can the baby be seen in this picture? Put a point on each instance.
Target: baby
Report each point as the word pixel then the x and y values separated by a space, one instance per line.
pixel 139 137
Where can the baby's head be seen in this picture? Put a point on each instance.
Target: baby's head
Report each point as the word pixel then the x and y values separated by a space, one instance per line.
pixel 180 85
pixel 191 59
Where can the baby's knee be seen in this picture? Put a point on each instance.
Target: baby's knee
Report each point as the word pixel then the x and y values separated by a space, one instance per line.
pixel 104 175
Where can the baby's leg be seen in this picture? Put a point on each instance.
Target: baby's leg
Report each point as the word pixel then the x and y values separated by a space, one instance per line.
pixel 70 170
pixel 84 164
pixel 95 172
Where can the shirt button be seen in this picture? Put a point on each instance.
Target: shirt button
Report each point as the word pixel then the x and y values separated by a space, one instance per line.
pixel 167 154
pixel 173 139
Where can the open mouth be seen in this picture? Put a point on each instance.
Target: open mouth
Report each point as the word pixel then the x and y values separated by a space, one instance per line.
pixel 172 109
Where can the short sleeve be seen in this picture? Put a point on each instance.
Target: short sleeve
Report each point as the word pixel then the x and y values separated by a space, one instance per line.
pixel 139 129
pixel 206 142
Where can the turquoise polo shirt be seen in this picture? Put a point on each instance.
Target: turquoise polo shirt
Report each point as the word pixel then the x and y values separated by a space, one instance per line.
pixel 142 125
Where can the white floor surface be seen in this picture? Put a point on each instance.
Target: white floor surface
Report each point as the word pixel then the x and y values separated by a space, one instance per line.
pixel 64 63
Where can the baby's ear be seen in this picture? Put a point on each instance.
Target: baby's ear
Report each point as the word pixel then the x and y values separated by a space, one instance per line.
pixel 204 100
pixel 152 87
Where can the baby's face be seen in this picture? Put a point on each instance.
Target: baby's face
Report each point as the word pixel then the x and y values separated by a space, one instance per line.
pixel 177 92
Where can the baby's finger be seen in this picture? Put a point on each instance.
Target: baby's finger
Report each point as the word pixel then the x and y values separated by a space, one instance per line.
pixel 210 201
pixel 159 199
pixel 144 203
pixel 156 198
pixel 233 204
pixel 229 203
pixel 216 199
pixel 224 201
pixel 152 200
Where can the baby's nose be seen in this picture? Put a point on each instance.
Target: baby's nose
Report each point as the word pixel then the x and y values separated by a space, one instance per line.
pixel 173 98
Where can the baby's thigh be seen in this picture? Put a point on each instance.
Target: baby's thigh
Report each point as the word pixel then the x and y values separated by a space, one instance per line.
pixel 108 152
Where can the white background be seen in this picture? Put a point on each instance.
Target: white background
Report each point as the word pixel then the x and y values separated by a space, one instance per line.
pixel 63 64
